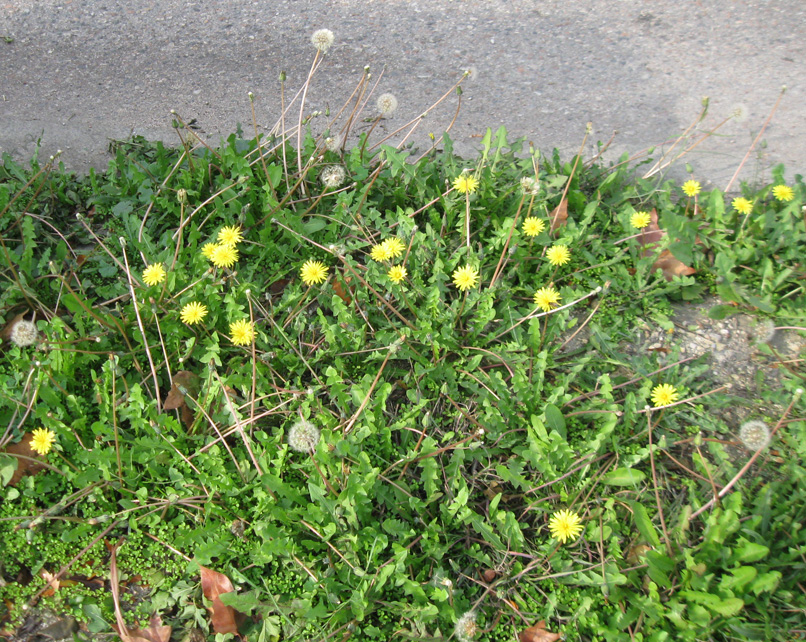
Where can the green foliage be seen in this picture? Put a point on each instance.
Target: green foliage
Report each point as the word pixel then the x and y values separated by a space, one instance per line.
pixel 453 425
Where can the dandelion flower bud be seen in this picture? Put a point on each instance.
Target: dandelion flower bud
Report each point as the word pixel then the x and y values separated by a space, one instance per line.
pixel 754 435
pixel 24 333
pixel 322 39
pixel 303 436
pixel 332 176
pixel 182 196
pixel 386 104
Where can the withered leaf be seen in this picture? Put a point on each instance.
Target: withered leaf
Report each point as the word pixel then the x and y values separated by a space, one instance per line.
pixel 156 631
pixel 51 580
pixel 189 383
pixel 278 286
pixel 27 463
pixel 344 292
pixel 213 585
pixel 649 238
pixel 538 633
pixel 671 266
pixel 559 215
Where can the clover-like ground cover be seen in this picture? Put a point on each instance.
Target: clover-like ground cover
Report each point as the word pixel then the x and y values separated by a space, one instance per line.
pixel 302 392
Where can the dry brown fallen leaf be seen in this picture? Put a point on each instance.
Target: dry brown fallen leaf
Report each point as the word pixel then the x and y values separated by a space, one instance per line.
pixel 176 398
pixel 27 463
pixel 50 579
pixel 559 215
pixel 666 262
pixel 156 632
pixel 538 633
pixel 214 584
pixel 344 292
pixel 671 266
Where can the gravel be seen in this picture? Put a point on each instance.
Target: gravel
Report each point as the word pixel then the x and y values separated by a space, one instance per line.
pixel 76 74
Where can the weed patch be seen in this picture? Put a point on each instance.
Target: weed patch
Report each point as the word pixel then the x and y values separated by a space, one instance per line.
pixel 291 391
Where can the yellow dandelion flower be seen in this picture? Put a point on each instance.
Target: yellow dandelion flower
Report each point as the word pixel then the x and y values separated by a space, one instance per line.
pixel 380 252
pixel 639 220
pixel 547 298
pixel 558 255
pixel 742 205
pixel 565 525
pixel 465 278
pixel 664 394
pixel 42 440
pixel 242 332
pixel 193 312
pixel 224 256
pixel 313 272
pixel 153 274
pixel 207 250
pixel 783 193
pixel 532 226
pixel 691 188
pixel 230 235
pixel 394 247
pixel 396 273
pixel 465 183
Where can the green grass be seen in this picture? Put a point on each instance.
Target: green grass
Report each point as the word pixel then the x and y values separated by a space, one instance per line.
pixel 453 424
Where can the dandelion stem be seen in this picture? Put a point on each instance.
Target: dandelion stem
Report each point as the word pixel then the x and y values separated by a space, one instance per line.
pixel 349 425
pixel 541 314
pixel 142 329
pixel 755 140
pixel 750 461
pixel 655 483
pixel 506 245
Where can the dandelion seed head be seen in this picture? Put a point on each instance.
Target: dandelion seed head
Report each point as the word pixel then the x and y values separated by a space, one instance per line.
pixel 333 143
pixel 24 333
pixel 322 40
pixel 530 186
pixel 755 435
pixel 386 104
pixel 465 628
pixel 303 436
pixel 739 112
pixel 332 176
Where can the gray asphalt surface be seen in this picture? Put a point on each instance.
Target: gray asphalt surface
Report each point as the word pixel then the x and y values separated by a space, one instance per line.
pixel 77 73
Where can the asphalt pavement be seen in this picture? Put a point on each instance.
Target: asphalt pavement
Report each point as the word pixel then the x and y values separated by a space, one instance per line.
pixel 74 74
